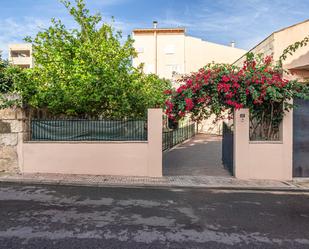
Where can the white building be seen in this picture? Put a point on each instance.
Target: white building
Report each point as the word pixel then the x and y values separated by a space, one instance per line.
pixel 21 55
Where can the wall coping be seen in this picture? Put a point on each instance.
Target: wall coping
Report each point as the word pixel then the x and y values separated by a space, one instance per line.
pixel 265 142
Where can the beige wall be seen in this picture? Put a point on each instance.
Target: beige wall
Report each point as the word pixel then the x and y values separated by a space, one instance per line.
pixel 145 47
pixel 262 160
pixel 213 126
pixel 104 158
pixel 298 63
pixel 179 52
pixel 169 56
pixel 86 158
pixel 199 53
pixel 266 47
pixel 274 45
pixel 209 126
pixel 288 36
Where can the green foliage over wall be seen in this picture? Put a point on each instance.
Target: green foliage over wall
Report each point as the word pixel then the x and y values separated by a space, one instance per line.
pixel 87 71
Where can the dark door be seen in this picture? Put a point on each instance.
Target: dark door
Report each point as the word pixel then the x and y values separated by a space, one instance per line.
pixel 301 139
pixel 228 148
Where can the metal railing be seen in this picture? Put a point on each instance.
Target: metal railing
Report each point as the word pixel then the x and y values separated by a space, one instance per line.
pixel 173 137
pixel 87 130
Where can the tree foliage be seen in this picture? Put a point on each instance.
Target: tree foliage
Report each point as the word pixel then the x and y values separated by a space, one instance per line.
pixel 6 82
pixel 87 71
pixel 9 75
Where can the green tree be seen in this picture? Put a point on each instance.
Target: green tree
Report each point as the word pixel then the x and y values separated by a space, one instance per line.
pixel 5 82
pixel 87 71
pixel 9 75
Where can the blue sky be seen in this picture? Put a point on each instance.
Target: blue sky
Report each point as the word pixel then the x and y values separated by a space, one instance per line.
pixel 245 21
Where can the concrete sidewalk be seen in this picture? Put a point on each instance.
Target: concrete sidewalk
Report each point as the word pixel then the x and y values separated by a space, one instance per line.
pixel 160 182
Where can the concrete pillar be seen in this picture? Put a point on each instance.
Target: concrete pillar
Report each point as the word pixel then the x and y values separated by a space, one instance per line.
pixel 154 142
pixel 241 143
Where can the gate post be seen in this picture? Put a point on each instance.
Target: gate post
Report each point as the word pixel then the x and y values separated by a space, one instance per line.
pixel 262 159
pixel 155 142
pixel 241 143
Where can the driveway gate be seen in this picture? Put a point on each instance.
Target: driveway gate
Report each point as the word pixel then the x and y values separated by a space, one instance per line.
pixel 301 139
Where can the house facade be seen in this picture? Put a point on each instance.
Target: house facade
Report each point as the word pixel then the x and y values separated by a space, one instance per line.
pixel 170 52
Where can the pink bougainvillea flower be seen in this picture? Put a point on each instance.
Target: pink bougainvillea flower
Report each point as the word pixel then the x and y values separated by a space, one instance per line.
pixel 229 87
pixel 225 79
pixel 189 104
pixel 189 82
pixel 224 87
pixel 268 60
pixel 181 89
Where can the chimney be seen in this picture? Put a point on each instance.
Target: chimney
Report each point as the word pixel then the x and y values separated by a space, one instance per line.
pixel 155 24
pixel 232 44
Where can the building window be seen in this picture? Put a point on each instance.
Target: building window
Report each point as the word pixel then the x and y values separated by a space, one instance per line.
pixel 20 53
pixel 24 66
pixel 169 49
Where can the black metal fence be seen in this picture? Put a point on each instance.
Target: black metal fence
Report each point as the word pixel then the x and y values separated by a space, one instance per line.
pixel 173 137
pixel 228 147
pixel 88 130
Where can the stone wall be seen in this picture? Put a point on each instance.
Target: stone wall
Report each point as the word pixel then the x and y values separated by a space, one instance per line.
pixel 12 131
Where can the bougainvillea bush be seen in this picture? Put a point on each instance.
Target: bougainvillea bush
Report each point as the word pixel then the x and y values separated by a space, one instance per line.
pixel 219 88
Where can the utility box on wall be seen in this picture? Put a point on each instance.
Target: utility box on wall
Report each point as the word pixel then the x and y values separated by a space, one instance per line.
pixel 262 159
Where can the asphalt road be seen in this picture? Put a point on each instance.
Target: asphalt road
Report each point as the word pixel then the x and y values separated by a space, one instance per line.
pixel 41 217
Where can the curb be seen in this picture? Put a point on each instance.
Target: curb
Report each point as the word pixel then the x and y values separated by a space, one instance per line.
pixel 292 189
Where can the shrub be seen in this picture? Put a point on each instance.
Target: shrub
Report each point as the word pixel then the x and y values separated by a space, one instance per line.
pixel 217 88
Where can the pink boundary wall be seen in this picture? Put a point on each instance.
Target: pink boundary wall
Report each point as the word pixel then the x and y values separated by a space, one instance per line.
pixel 98 158
pixel 262 160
